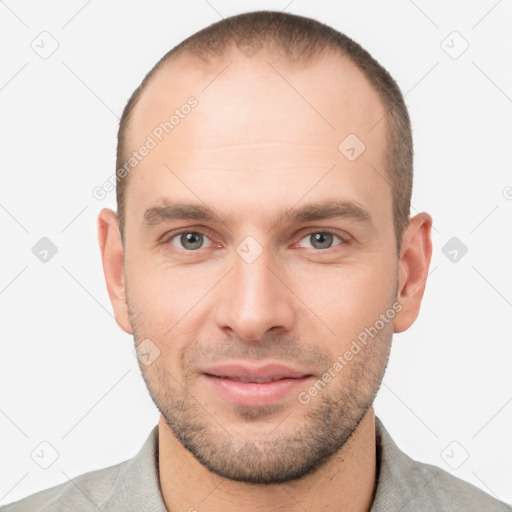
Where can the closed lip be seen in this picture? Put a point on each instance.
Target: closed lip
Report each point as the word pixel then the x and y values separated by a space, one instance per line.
pixel 245 373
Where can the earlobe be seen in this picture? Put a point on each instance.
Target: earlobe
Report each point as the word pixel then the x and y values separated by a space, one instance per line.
pixel 112 255
pixel 414 263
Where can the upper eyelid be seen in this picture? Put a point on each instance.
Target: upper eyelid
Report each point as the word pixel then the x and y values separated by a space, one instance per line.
pixel 169 235
pixel 337 232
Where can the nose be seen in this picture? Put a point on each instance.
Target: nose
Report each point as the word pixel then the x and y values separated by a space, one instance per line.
pixel 254 298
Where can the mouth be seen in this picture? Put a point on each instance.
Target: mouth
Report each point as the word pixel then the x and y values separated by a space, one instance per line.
pixel 243 373
pixel 254 386
pixel 249 379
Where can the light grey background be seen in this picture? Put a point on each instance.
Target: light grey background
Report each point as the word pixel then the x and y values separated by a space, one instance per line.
pixel 68 374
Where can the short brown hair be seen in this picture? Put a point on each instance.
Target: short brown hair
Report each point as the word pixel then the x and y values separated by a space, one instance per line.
pixel 300 39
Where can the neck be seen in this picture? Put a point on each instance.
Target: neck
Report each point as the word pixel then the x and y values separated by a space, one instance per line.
pixel 345 482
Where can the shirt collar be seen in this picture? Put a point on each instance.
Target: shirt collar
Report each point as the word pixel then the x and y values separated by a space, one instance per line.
pixel 402 483
pixel 137 486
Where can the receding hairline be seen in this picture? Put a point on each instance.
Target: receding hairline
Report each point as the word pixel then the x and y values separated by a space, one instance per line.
pixel 214 64
pixel 293 38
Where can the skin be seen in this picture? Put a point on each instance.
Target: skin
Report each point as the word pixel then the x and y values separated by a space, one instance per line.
pixel 253 148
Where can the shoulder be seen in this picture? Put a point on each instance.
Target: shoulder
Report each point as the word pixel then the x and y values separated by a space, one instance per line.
pixel 408 485
pixel 130 485
pixel 446 492
pixel 84 492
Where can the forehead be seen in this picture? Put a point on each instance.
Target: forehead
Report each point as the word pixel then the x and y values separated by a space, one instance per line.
pixel 259 123
pixel 326 97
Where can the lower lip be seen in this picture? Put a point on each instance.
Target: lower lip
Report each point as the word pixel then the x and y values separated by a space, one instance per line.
pixel 253 393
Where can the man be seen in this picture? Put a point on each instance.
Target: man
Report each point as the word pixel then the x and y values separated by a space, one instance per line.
pixel 262 256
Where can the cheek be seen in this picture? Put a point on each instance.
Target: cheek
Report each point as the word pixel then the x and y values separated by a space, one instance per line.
pixel 156 302
pixel 346 298
pixel 167 301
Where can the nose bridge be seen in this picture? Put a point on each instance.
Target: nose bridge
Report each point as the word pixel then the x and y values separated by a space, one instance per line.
pixel 253 299
pixel 253 282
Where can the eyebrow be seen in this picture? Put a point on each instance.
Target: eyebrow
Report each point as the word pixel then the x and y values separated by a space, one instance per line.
pixel 178 211
pixel 342 209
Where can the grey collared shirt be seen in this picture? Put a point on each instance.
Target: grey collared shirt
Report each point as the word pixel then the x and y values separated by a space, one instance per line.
pixel 403 485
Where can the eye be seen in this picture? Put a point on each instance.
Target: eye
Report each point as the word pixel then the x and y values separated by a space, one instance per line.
pixel 320 240
pixel 188 240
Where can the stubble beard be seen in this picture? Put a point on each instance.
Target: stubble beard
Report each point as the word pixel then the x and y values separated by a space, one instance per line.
pixel 293 447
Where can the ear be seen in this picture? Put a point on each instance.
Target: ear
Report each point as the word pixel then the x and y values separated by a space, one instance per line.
pixel 112 255
pixel 415 256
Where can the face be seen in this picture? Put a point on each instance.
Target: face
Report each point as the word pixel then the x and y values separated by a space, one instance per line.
pixel 252 241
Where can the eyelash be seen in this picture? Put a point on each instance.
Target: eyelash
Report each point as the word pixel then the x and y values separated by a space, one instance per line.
pixel 345 239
